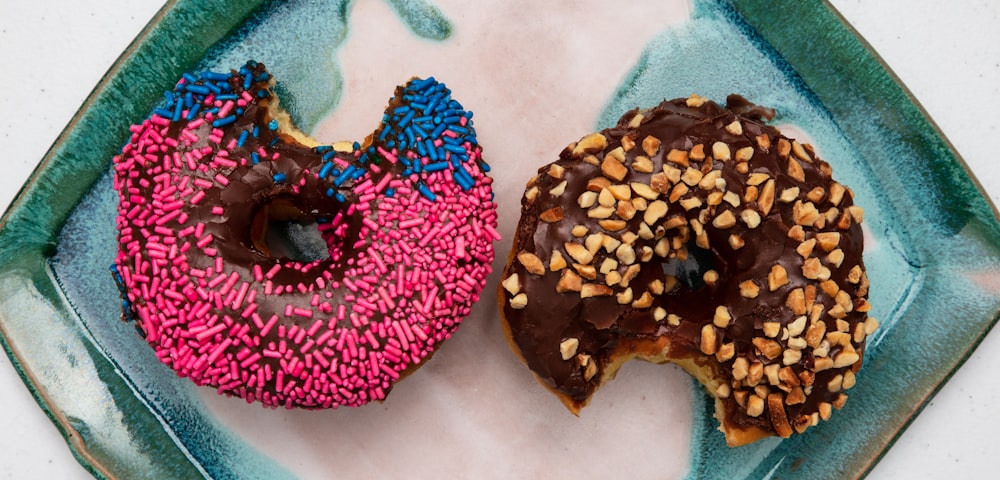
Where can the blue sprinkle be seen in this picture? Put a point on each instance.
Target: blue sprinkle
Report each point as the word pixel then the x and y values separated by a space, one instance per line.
pixel 451 140
pixel 243 138
pixel 441 154
pixel 363 158
pixel 273 124
pixel 424 118
pixel 262 94
pixel 431 151
pixel 328 155
pixel 407 172
pixel 389 192
pixel 340 198
pixel 454 148
pixel 193 112
pixel 430 106
pixel 246 81
pixel 438 131
pixel 419 105
pixel 485 166
pixel 256 131
pixel 213 88
pixel 321 148
pixel 458 129
pixel 406 119
pixel 434 167
pixel 190 78
pixel 228 96
pixel 188 100
pixel 358 174
pixel 177 111
pixel 409 136
pixel 323 172
pixel 264 76
pixel 418 131
pixel 274 141
pixel 215 76
pixel 198 89
pixel 421 150
pixel 381 136
pixel 426 192
pixel 330 192
pixel 357 146
pixel 168 99
pixel 343 176
pixel 255 158
pixel 163 112
pixel 279 177
pixel 239 110
pixel 401 110
pixel 224 121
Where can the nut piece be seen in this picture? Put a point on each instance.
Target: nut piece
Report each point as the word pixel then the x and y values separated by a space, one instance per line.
pixel 578 252
pixel 552 215
pixel 586 199
pixel 777 278
pixel 654 211
pixel 557 262
pixel 650 145
pixel 512 285
pixel 569 282
pixel 644 191
pixel 613 168
pixel 724 220
pixel 642 164
pixel 749 289
pixel 708 340
pixel 735 128
pixel 568 348
pixel 679 157
pixel 593 143
pixel 722 317
pixel 594 290
pixel 558 189
pixel 720 151
pixel 519 301
pixel 531 263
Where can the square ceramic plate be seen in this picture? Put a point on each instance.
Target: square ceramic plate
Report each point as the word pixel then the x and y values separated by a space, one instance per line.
pixel 538 78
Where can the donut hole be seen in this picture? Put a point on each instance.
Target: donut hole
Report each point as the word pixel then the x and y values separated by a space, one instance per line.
pixel 691 272
pixel 282 230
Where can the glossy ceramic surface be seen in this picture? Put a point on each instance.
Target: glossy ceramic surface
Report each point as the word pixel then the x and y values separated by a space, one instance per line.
pixel 535 84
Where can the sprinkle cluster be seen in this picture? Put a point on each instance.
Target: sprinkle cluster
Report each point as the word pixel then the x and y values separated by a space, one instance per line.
pixel 409 220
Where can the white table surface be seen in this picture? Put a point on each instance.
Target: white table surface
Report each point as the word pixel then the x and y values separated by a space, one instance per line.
pixel 52 54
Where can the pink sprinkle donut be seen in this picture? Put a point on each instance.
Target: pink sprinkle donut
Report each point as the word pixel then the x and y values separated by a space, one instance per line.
pixel 408 218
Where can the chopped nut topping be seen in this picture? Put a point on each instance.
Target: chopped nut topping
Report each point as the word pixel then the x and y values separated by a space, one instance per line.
pixel 800 152
pixel 711 277
pixel 735 128
pixel 692 176
pixel 625 296
pixel 764 142
pixel 644 301
pixel 659 314
pixel 606 198
pixel 816 194
pixel 726 352
pixel 845 359
pixel 569 282
pixel 618 154
pixel 708 340
pixel 828 240
pixel 697 152
pixel 695 100
pixel 797 233
pixel 805 248
pixel 596 184
pixel 635 121
pixel 655 211
pixel 613 169
pixel 735 242
pixel 642 164
pixel 586 271
pixel 723 390
pixel 608 265
pixel 650 145
pixel 613 225
pixel 673 320
pixel 552 215
pixel 579 231
pixel 796 301
pixel 557 262
pixel 531 263
pixel 620 192
pixel 679 157
pixel 593 243
pixel 766 198
pixel 771 329
pixel 512 284
pixel 721 152
pixel 612 278
pixel 744 154
pixel 755 406
pixel 722 317
pixel 594 290
pixel 568 348
pixel 784 148
pixel 586 199
pixel 628 142
pixel 610 243
pixel 749 289
pixel 836 193
pixel 750 217
pixel 600 212
pixel 519 301
pixel 777 278
pixel 531 194
pixel 791 356
pixel 857 213
pixel 804 213
pixel 814 270
pixel 556 171
pixel 644 191
pixel 779 419
pixel 578 252
pixel 724 220
pixel 710 180
pixel 558 189
pixel 659 182
pixel 625 254
pixel 849 380
pixel 789 195
pixel 593 143
pixel 795 170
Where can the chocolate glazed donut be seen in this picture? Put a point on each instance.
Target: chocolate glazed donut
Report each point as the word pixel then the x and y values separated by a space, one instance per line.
pixel 694 234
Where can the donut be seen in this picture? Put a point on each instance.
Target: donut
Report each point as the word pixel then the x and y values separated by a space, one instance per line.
pixel 407 218
pixel 699 235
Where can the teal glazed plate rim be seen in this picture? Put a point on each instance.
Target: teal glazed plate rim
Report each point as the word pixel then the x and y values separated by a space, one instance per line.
pixel 949 244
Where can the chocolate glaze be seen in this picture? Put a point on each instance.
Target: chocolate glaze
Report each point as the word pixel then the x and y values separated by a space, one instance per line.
pixel 606 329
